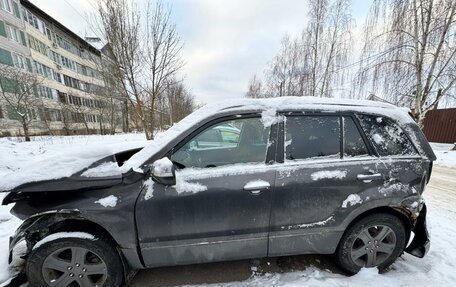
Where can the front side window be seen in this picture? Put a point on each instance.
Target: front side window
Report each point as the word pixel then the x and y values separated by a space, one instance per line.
pixel 387 137
pixel 228 142
pixel 312 137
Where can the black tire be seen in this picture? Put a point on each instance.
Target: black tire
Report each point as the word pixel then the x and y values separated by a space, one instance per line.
pixel 99 247
pixel 351 244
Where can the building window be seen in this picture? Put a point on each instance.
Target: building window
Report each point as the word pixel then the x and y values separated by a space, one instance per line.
pixel 13 33
pixel 53 115
pixel 6 5
pixel 55 57
pixel 1 113
pixel 34 21
pixel 19 61
pixel 45 92
pixel 39 46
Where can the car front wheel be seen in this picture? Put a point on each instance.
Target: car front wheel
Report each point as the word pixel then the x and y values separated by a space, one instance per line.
pixel 374 241
pixel 74 259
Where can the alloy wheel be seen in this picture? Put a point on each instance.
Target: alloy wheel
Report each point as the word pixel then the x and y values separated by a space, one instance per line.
pixel 373 245
pixel 74 266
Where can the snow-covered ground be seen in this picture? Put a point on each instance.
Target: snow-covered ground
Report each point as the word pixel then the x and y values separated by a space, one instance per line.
pixel 436 268
pixel 446 154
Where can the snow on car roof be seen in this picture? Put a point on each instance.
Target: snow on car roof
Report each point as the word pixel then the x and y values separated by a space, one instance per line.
pixel 260 105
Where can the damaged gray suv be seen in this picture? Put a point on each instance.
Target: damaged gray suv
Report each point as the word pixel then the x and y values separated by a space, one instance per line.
pixel 236 180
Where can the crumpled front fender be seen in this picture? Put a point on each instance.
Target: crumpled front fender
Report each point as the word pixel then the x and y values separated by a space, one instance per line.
pixel 37 226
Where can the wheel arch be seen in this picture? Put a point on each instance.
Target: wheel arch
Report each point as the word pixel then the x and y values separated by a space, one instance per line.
pixel 395 211
pixel 41 225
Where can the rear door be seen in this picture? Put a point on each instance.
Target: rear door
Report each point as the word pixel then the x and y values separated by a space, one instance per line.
pixel 328 168
pixel 220 207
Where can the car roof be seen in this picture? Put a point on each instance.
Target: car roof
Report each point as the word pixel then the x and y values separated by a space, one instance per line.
pixel 297 103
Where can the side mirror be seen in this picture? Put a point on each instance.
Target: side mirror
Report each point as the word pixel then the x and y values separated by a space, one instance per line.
pixel 163 171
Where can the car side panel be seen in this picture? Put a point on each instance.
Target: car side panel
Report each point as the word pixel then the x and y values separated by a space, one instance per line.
pixel 308 210
pixel 222 222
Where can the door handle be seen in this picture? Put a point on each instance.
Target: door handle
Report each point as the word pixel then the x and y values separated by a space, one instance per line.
pixel 257 186
pixel 369 177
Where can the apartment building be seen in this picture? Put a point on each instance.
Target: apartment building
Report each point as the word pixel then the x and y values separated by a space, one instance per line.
pixel 70 69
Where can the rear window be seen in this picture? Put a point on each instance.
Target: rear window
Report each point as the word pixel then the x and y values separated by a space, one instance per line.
pixel 387 137
pixel 353 142
pixel 312 137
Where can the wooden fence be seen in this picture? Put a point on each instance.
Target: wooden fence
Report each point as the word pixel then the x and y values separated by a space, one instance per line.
pixel 440 126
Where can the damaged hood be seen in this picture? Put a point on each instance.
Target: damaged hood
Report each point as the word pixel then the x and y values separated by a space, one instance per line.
pixel 102 173
pixel 49 170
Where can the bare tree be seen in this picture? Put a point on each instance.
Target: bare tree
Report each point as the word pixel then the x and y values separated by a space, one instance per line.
pixel 312 65
pixel 163 54
pixel 180 102
pixel 410 53
pixel 66 114
pixel 120 25
pixel 255 89
pixel 78 113
pixel 143 57
pixel 327 44
pixel 18 90
pixel 285 70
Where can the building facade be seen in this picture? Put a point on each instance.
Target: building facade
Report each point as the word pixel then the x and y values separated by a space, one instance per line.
pixel 72 88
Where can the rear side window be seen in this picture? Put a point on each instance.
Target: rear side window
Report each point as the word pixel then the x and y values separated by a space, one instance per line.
pixel 353 142
pixel 312 137
pixel 386 136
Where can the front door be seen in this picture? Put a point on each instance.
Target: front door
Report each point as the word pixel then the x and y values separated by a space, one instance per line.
pixel 219 208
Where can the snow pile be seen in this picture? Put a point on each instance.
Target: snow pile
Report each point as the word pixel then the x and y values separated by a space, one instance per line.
pixel 377 139
pixel 103 170
pixel 149 185
pixel 109 201
pixel 389 188
pixel 339 174
pixel 351 200
pixel 60 235
pixel 163 167
pixel 315 224
pixel 257 184
pixel 47 158
pixel 269 117
pixel 308 225
pixel 8 225
pixel 183 185
pixel 446 156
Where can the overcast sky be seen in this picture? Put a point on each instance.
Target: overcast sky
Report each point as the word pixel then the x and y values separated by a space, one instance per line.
pixel 225 41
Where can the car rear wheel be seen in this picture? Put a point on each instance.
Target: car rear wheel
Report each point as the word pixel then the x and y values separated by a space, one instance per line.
pixel 374 241
pixel 73 261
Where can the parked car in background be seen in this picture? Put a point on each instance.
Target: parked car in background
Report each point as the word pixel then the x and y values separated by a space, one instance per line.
pixel 236 180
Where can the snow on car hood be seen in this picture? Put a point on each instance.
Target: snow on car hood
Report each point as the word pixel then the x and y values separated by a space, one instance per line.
pixel 27 162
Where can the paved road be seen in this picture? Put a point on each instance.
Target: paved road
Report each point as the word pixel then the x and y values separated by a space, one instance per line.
pixel 440 193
